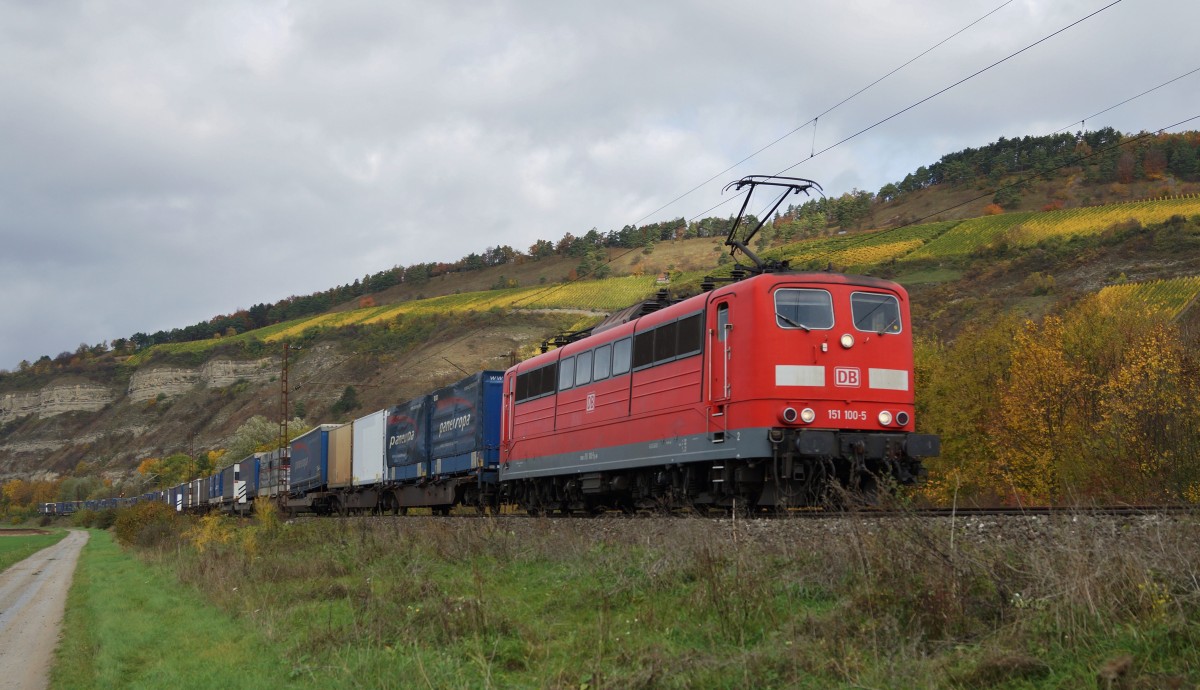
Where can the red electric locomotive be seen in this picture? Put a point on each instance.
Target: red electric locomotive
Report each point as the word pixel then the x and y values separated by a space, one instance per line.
pixel 766 392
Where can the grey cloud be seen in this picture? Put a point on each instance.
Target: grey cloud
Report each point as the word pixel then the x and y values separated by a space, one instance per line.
pixel 163 163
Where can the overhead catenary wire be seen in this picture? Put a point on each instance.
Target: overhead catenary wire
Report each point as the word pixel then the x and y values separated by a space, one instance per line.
pixel 951 86
pixel 830 109
pixel 937 93
pixel 1021 181
pixel 1127 100
pixel 551 289
pixel 863 238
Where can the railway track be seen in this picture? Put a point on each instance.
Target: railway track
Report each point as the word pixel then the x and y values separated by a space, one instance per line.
pixel 831 514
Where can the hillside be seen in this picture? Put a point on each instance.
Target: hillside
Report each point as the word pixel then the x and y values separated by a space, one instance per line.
pixel 102 412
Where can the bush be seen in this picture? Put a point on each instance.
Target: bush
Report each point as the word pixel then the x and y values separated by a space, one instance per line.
pixel 1039 284
pixel 106 518
pixel 84 518
pixel 144 524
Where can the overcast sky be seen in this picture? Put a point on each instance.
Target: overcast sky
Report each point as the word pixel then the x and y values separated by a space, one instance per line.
pixel 162 163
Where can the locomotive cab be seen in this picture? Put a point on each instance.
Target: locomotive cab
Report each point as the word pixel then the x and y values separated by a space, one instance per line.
pixel 825 373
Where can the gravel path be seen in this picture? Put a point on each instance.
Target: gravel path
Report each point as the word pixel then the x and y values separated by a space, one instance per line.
pixel 33 595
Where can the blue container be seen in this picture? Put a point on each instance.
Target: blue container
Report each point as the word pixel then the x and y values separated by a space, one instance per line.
pixel 464 425
pixel 408 439
pixel 249 472
pixel 310 460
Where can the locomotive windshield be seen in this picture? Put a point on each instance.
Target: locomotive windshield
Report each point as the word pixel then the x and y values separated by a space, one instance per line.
pixel 875 313
pixel 805 309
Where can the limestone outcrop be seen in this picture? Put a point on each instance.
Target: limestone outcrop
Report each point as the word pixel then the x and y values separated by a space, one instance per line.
pixel 55 399
pixel 146 384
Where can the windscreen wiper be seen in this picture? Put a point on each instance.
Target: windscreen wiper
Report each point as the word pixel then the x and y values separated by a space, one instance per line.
pixel 793 323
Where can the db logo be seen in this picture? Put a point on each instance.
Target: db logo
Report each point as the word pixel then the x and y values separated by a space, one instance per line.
pixel 846 377
pixel 591 402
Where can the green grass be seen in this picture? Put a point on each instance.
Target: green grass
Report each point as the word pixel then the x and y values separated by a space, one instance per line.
pixel 17 548
pixel 694 603
pixel 129 625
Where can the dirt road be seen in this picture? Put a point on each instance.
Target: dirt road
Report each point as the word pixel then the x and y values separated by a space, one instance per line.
pixel 33 594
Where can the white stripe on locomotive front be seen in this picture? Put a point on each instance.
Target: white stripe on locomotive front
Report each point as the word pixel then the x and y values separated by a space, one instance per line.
pixel 799 375
pixel 888 379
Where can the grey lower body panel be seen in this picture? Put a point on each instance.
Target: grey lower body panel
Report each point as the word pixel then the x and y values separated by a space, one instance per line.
pixel 743 443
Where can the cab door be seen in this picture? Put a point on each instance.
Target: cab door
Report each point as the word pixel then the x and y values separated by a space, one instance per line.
pixel 720 352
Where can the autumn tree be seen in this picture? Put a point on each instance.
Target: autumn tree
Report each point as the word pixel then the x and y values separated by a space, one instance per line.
pixel 541 249
pixel 80 488
pixel 957 389
pixel 255 434
pixel 1126 167
pixel 1097 403
pixel 1148 408
pixel 17 492
pixel 1154 163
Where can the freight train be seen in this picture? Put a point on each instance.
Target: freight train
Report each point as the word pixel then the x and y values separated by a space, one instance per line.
pixel 779 389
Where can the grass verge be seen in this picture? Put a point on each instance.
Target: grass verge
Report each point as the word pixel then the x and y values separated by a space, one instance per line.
pixel 14 549
pixel 695 603
pixel 133 625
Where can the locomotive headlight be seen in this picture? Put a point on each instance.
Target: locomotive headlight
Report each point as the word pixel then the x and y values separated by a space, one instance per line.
pixel 902 418
pixel 885 418
pixel 847 341
pixel 807 415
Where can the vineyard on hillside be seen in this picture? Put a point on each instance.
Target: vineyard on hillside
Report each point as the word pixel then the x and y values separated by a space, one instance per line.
pixel 856 252
pixel 1172 296
pixel 1029 228
pixel 851 253
pixel 607 295
pixel 604 295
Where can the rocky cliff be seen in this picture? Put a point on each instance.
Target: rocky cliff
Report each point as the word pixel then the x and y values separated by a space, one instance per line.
pixel 171 381
pixel 56 399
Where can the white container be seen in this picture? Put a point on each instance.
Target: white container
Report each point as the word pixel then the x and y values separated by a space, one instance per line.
pixel 369 459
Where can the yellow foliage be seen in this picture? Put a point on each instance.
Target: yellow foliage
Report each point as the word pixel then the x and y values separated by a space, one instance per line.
pixel 1142 405
pixel 1035 428
pixel 875 254
pixel 1170 296
pixel 214 529
pixel 957 395
pixel 1101 402
pixel 18 491
pixel 149 466
pixel 1027 229
pixel 45 491
pixel 1192 493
